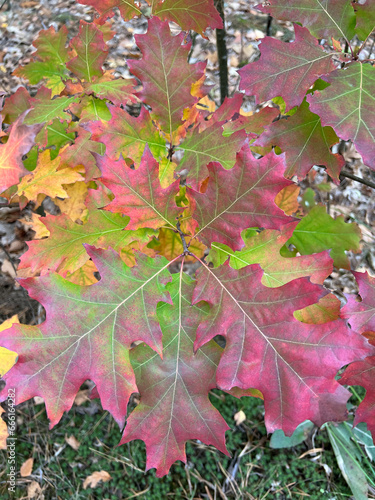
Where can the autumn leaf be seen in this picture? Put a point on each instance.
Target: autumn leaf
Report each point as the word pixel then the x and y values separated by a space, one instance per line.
pixel 46 179
pixel 324 18
pixel 63 250
pixel 20 141
pixel 274 353
pixel 365 16
pixel 95 337
pixel 138 193
pixel 305 142
pixel 264 248
pixel 184 13
pixel 174 390
pixel 325 310
pixel 7 358
pixel 91 52
pixel 286 69
pixel 287 199
pixel 128 8
pixel 169 245
pixel 119 91
pixel 15 105
pixel 348 106
pixel 45 109
pixel 166 76
pixel 318 231
pixel 361 315
pixel 239 198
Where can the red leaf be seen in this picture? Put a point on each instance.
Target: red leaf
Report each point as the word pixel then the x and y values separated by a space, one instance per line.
pixel 174 390
pixel 196 15
pixel 305 142
pixel 128 8
pixel 89 334
pixel 138 193
pixel 270 351
pixel 91 52
pixel 286 69
pixel 361 315
pixel 166 75
pixel 348 106
pixel 15 105
pixel 21 140
pixel 240 198
pixel 324 19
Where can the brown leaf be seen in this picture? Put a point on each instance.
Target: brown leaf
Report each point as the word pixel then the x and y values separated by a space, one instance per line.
pixel 72 442
pixel 239 417
pixel 94 479
pixel 27 467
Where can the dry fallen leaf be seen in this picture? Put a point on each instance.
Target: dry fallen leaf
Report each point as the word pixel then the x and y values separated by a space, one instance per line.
pixel 239 417
pixel 82 397
pixel 27 467
pixel 94 479
pixel 34 491
pixel 72 442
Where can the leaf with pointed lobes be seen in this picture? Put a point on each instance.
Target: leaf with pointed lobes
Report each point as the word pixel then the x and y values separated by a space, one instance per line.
pixel 87 334
pixel 174 390
pixel 128 135
pixel 318 231
pixel 91 52
pixel 21 139
pixel 209 147
pixel 269 350
pixel 196 15
pixel 15 105
pixel 138 193
pixel 239 198
pixel 361 315
pixel 63 250
pixel 119 91
pixel 305 142
pixel 128 8
pixel 323 18
pixel 80 153
pixel 46 109
pixel 348 106
pixel 264 249
pixel 365 16
pixel 166 76
pixel 301 63
pixel 228 110
pixel 363 373
pixel 46 179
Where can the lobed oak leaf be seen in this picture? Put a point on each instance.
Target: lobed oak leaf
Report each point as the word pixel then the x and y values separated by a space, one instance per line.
pixel 46 179
pixel 264 249
pixel 361 315
pixel 286 69
pixel 174 390
pixel 54 136
pixel 128 8
pixel 254 124
pixel 281 357
pixel 324 18
pixel 318 231
pixel 239 198
pixel 324 311
pixel 90 108
pixel 15 105
pixel 45 109
pixel 20 141
pixel 138 193
pixel 63 250
pixel 166 76
pixel 305 142
pixel 89 335
pixel 91 52
pixel 229 109
pixel 80 153
pixel 127 135
pixel 83 276
pixel 196 15
pixel 348 106
pixel 209 147
pixel 75 204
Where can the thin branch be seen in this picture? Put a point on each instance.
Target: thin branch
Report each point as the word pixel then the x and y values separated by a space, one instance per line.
pixel 222 52
pixel 357 179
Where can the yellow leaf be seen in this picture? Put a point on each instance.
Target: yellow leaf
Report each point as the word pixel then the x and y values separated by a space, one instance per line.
pixel 287 199
pixel 47 179
pixel 169 245
pixel 94 479
pixel 84 276
pixel 27 467
pixel 36 225
pixel 74 206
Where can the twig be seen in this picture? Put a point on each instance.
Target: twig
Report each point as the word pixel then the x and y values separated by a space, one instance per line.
pixel 222 53
pixel 357 179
